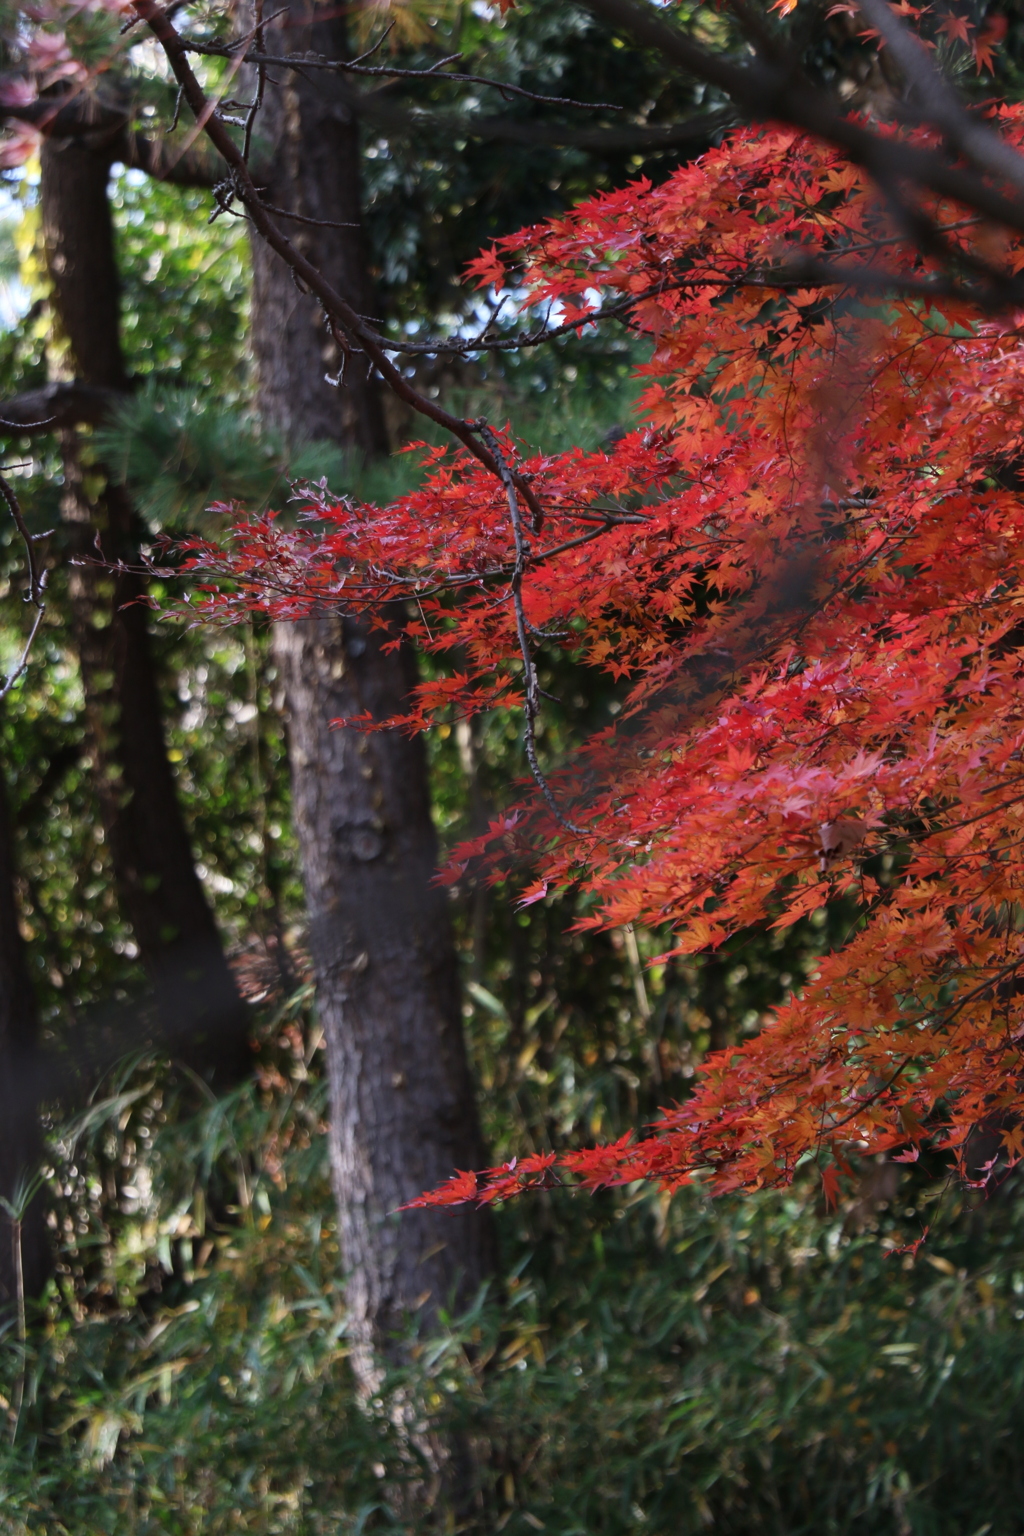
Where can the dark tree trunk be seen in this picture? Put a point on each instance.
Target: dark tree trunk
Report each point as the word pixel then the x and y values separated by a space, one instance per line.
pixel 23 1246
pixel 160 893
pixel 403 1114
pixel 309 165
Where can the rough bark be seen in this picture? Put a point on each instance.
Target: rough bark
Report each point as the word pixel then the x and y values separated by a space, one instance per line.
pixel 403 1113
pixel 21 1146
pixel 309 165
pixel 160 893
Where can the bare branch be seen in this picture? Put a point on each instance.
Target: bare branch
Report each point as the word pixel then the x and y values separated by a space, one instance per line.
pixel 304 61
pixel 55 406
pixel 36 585
pixel 359 331
pixel 301 218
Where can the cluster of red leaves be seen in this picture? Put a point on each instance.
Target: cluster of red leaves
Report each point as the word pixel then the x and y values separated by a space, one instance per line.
pixel 982 44
pixel 805 562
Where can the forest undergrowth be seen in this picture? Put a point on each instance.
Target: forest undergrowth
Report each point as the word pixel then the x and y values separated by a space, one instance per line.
pixel 742 1366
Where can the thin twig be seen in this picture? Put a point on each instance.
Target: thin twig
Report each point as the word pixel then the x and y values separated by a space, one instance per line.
pixel 302 61
pixel 26 426
pixel 177 110
pixel 361 58
pixel 261 80
pixel 531 687
pixel 301 218
pixel 36 584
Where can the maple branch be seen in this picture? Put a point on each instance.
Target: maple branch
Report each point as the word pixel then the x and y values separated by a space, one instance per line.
pixel 872 1098
pixel 531 687
pixel 304 61
pixel 941 105
pixel 946 1014
pixel 357 329
pixel 1005 291
pixel 777 89
pixel 809 271
pixel 35 594
pixel 493 572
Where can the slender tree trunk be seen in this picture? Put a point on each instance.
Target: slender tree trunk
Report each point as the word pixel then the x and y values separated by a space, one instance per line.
pixel 160 893
pixel 403 1113
pixel 24 1243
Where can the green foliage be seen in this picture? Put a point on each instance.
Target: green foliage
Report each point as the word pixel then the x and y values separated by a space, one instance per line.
pixel 743 1366
pixel 174 263
pixel 178 452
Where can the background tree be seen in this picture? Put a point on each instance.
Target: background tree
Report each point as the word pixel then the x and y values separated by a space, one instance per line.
pixel 159 888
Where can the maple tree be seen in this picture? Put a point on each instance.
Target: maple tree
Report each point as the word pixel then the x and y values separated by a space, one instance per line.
pixel 803 561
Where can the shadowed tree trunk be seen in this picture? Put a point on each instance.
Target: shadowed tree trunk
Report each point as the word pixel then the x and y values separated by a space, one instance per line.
pixel 21 1145
pixel 403 1113
pixel 160 893
pixel 403 1116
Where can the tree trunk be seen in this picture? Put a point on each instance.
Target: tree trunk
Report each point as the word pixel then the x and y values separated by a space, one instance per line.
pixel 403 1115
pixel 25 1258
pixel 159 890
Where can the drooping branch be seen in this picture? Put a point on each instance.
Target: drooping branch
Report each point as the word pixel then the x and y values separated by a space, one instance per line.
pixel 531 684
pixel 239 52
pixel 360 333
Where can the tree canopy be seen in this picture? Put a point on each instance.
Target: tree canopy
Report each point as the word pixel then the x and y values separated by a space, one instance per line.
pixel 800 560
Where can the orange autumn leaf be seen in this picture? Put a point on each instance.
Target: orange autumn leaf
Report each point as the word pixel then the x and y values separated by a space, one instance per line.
pixel 811 589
